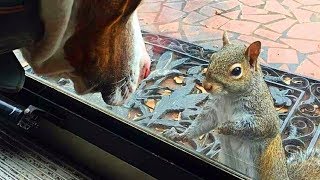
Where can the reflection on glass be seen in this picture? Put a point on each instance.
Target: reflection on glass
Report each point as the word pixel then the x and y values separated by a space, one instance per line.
pixel 173 96
pixel 170 99
pixel 287 37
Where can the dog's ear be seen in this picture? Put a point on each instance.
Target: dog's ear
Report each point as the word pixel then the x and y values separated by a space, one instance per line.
pixel 105 13
pixel 131 6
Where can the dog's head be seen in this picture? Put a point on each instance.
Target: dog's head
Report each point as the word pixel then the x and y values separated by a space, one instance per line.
pixel 104 47
pixel 107 49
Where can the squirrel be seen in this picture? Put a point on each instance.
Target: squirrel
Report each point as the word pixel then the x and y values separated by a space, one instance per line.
pixel 241 112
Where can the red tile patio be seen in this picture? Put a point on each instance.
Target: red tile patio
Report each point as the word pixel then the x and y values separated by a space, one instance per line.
pixel 288 29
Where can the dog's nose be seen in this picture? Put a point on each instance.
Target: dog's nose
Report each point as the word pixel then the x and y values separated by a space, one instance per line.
pixel 145 70
pixel 207 86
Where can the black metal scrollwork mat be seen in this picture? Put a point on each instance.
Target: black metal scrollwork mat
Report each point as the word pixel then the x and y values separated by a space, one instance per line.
pixel 172 96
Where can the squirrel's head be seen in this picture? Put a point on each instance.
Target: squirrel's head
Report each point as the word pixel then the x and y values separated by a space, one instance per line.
pixel 232 69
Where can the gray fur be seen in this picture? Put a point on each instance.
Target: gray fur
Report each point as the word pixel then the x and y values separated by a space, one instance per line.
pixel 242 113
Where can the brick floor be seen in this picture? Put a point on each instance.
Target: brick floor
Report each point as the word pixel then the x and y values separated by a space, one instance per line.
pixel 289 30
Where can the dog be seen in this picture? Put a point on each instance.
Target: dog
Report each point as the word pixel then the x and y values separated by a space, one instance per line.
pixel 96 43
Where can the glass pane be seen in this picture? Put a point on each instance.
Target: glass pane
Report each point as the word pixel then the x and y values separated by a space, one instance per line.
pixel 318 143
pixel 182 35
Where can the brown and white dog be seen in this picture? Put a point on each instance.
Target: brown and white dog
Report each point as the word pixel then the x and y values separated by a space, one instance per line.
pixel 96 43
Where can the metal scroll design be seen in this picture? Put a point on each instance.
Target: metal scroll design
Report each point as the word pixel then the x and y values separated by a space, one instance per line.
pixel 172 96
pixel 161 106
pixel 302 130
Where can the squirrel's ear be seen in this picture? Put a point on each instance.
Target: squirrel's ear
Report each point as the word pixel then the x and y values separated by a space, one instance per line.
pixel 252 53
pixel 225 39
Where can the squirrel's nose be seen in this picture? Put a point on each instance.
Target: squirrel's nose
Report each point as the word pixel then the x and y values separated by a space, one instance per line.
pixel 207 86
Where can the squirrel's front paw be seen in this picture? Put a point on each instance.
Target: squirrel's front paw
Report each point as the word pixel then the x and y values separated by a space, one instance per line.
pixel 172 134
pixel 222 130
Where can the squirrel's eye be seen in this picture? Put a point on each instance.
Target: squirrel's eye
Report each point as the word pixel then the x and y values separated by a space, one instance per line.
pixel 236 71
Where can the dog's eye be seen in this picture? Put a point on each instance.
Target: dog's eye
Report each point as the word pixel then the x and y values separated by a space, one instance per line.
pixel 236 71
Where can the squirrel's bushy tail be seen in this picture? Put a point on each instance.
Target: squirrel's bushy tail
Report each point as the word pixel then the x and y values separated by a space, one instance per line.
pixel 302 166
